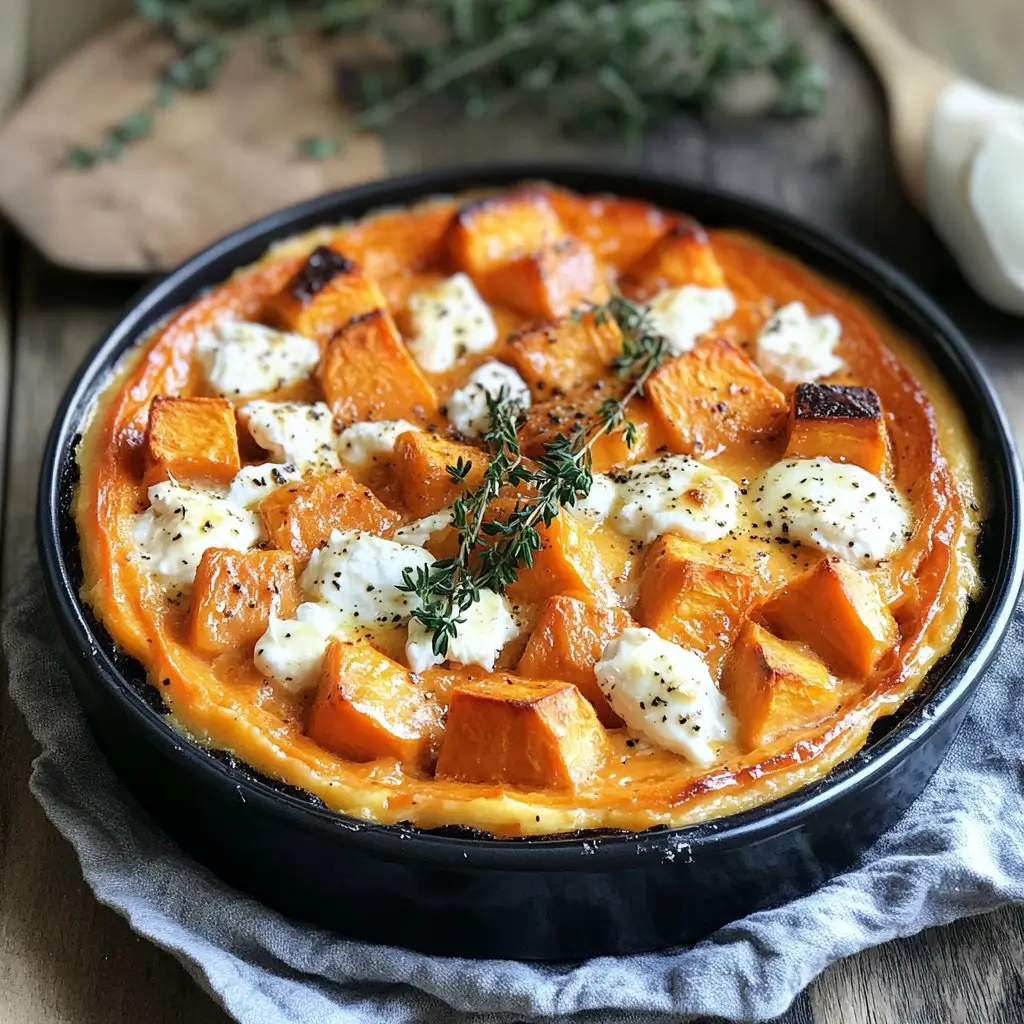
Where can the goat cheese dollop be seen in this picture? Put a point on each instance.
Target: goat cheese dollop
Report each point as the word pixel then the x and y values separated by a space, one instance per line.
pixel 683 315
pixel 180 524
pixel 795 347
pixel 240 358
pixel 351 589
pixel 358 575
pixel 419 531
pixel 291 650
pixel 599 502
pixel 467 406
pixel 371 441
pixel 489 625
pixel 838 507
pixel 665 692
pixel 449 320
pixel 252 484
pixel 293 432
pixel 674 494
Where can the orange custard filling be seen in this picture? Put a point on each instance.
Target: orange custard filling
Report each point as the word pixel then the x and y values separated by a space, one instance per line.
pixel 775 561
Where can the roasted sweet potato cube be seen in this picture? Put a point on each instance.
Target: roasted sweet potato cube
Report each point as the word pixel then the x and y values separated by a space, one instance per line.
pixel 619 230
pixel 681 256
pixel 486 233
pixel 300 517
pixel 691 596
pixel 535 735
pixel 568 562
pixel 421 462
pixel 389 245
pixel 567 641
pixel 774 686
pixel 565 356
pixel 547 420
pixel 713 396
pixel 328 291
pixel 235 594
pixel 550 282
pixel 191 439
pixel 367 373
pixel 838 422
pixel 838 612
pixel 612 449
pixel 368 707
pixel 444 542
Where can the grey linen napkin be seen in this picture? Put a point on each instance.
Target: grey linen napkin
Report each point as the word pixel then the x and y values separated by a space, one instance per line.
pixel 957 852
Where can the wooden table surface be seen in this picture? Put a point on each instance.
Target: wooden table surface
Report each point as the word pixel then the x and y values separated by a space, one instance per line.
pixel 64 958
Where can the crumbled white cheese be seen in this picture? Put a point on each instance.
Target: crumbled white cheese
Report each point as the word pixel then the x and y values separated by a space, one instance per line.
pixel 840 508
pixel 180 524
pixel 795 347
pixel 599 502
pixel 419 531
pixel 674 494
pixel 487 626
pixel 665 692
pixel 291 650
pixel 358 575
pixel 467 407
pixel 684 314
pixel 240 358
pixel 293 432
pixel 371 441
pixel 449 320
pixel 253 483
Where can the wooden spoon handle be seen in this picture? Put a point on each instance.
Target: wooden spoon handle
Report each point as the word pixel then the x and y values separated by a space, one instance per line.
pixel 895 59
pixel 913 82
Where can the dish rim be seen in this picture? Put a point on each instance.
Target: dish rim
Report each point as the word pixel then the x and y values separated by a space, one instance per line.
pixel 876 281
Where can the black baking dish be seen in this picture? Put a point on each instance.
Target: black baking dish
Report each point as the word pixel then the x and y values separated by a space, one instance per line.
pixel 456 892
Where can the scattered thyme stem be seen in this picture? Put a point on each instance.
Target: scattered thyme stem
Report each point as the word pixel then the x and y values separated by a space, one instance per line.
pixel 492 559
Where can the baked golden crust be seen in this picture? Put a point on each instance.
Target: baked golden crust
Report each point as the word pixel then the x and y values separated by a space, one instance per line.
pixel 221 699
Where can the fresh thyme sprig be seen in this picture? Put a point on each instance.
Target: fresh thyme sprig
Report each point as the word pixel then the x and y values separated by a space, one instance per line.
pixel 448 587
pixel 597 67
pixel 492 551
pixel 643 351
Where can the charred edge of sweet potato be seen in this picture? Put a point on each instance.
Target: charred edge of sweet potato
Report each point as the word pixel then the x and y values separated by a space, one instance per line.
pixel 322 265
pixel 360 318
pixel 686 227
pixel 519 703
pixel 835 401
pixel 526 193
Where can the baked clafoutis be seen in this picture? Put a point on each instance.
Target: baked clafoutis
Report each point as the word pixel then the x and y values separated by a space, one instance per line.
pixel 531 512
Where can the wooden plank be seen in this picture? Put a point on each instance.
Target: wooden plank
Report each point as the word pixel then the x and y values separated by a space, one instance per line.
pixel 64 959
pixel 971 972
pixel 438 136
pixel 7 270
pixel 14 18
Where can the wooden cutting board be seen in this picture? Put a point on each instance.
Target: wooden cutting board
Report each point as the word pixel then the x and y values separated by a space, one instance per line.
pixel 213 162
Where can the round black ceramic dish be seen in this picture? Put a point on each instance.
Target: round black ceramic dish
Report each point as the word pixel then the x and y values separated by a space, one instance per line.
pixel 460 893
